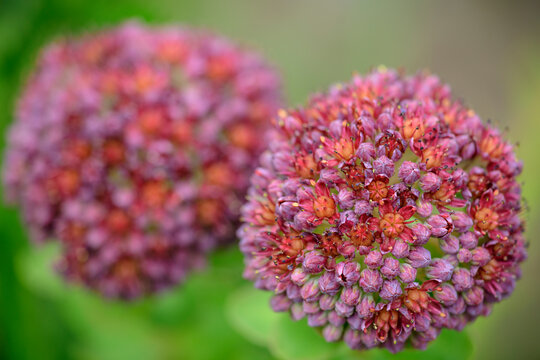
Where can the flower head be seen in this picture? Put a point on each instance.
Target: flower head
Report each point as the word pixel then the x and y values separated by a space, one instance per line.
pixel 133 147
pixel 404 210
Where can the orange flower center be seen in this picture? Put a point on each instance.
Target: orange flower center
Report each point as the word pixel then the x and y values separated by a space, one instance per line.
pixel 154 193
pixel 355 176
pixel 242 135
pixel 377 190
pixel 477 184
pixel 324 207
pixel 489 271
pixel 445 192
pixel 219 174
pixel 305 166
pixel 125 269
pixel 361 236
pixel 73 232
pixel 68 182
pixel 151 121
pixel 181 132
pixel 267 213
pixel 492 146
pixel 145 80
pixel 208 211
pixel 412 128
pixel 486 219
pixel 118 221
pixel 330 244
pixel 113 152
pixel 286 253
pixel 432 157
pixel 392 224
pixel 344 148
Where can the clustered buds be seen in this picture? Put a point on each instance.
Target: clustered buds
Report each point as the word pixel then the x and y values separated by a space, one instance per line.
pixel 384 211
pixel 133 148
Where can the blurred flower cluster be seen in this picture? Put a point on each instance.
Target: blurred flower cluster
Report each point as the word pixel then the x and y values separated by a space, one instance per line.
pixel 384 211
pixel 134 147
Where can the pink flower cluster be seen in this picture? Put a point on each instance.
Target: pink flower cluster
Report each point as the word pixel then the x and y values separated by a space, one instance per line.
pixel 133 147
pixel 384 211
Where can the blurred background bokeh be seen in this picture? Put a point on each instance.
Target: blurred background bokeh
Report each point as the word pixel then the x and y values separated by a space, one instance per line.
pixel 489 51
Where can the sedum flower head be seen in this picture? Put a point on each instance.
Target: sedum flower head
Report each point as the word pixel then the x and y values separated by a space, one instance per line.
pixel 384 211
pixel 133 148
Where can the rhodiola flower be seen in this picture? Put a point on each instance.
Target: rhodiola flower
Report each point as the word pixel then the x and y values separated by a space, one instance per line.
pixel 396 213
pixel 133 147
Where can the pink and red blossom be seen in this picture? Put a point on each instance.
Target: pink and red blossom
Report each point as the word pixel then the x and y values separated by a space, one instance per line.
pixel 404 209
pixel 133 147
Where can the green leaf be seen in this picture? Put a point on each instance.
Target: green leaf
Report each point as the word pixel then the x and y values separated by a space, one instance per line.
pixel 295 340
pixel 35 270
pixel 249 312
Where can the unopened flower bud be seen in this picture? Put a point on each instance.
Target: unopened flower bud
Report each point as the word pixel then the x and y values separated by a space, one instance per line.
pixel 365 307
pixel 362 207
pixel 310 290
pixel 462 222
pixel 350 296
pixel 400 249
pixel 474 296
pixel 419 257
pixel 280 303
pixel 370 280
pixel 313 262
pixel 353 339
pixel 460 178
pixel 430 182
pixel 345 199
pixel 458 307
pixel 409 172
pixel 440 269
pixel 332 333
pixel 310 307
pixel 390 269
pixel 449 244
pixel 440 225
pixel 297 311
pixel 317 319
pixel 480 256
pixel 366 151
pixel 464 256
pixel 462 279
pixel 374 259
pixel 299 276
pixel 390 290
pixel 347 272
pixel 446 294
pixel 383 166
pixel 468 240
pixel 422 233
pixel 424 209
pixel 335 319
pixel 328 283
pixel 293 292
pixel 343 309
pixel 407 273
pixel 327 302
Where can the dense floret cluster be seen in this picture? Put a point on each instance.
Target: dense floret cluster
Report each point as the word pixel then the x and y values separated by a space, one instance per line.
pixel 384 211
pixel 133 147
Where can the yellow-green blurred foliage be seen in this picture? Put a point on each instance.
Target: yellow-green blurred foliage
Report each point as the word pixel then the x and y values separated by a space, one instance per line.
pixel 489 51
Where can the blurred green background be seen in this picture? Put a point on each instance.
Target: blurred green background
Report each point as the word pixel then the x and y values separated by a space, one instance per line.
pixel 489 51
